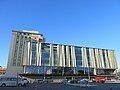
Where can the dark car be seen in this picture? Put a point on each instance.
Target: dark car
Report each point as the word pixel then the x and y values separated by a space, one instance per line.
pixel 73 81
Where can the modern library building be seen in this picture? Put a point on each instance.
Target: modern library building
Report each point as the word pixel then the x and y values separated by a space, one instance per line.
pixel 31 56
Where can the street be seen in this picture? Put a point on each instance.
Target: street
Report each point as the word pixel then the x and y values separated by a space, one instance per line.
pixel 53 86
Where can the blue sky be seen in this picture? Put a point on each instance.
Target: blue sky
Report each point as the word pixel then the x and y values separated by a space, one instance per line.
pixel 93 23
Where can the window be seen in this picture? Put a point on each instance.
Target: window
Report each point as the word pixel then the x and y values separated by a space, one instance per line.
pixel 14 62
pixel 18 64
pixel 65 55
pixel 33 61
pixel 45 54
pixel 70 55
pixel 88 56
pixel 78 54
pixel 40 40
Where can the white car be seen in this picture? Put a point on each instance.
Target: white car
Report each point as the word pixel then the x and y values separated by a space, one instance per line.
pixel 11 81
pixel 84 81
pixel 25 81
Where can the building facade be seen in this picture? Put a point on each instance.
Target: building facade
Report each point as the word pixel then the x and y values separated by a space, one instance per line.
pixel 43 58
pixel 19 41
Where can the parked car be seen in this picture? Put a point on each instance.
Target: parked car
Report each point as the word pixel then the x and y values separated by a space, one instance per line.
pixel 83 81
pixel 48 80
pixel 73 81
pixel 11 81
pixel 25 80
pixel 39 81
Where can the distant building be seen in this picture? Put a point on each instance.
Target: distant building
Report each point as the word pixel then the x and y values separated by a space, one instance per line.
pixel 31 56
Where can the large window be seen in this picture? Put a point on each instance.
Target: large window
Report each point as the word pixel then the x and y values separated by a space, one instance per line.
pixel 57 70
pixel 45 54
pixel 31 69
pixel 55 55
pixel 33 61
pixel 70 55
pixel 65 55
pixel 83 71
pixel 88 56
pixel 78 54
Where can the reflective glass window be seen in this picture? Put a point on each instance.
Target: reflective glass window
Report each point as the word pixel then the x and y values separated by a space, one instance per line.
pixel 69 71
pixel 70 55
pixel 88 56
pixel 65 55
pixel 31 69
pixel 45 54
pixel 33 60
pixel 78 54
pixel 103 53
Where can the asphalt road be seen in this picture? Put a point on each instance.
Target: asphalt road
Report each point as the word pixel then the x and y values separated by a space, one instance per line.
pixel 52 86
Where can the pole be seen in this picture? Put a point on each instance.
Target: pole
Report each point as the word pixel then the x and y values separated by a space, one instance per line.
pixel 17 80
pixel 44 70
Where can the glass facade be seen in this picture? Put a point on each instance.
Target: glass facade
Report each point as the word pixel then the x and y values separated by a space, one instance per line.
pixel 88 56
pixel 45 54
pixel 65 55
pixel 29 50
pixel 78 54
pixel 70 55
pixel 65 70
pixel 57 70
pixel 105 71
pixel 33 60
pixel 68 60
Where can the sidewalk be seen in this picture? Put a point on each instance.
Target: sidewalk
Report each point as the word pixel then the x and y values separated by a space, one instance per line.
pixel 82 85
pixel 113 81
